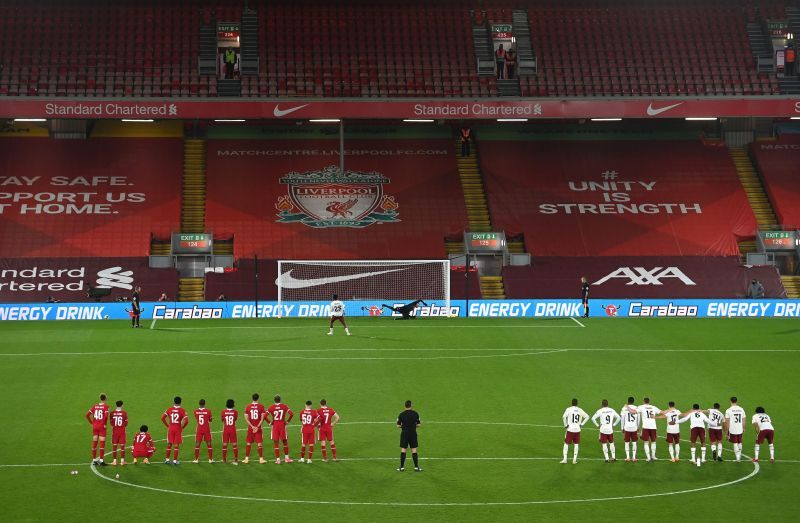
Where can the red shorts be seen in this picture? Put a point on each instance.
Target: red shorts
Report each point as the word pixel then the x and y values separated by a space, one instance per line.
pixel 572 437
pixel 628 436
pixel 340 319
pixel 765 434
pixel 606 438
pixel 325 433
pixel 308 438
pixel 673 438
pixel 229 435
pixel 143 453
pixel 118 438
pixel 715 435
pixel 735 438
pixel 203 435
pixel 99 431
pixel 175 435
pixel 649 435
pixel 255 437
pixel 278 432
pixel 698 433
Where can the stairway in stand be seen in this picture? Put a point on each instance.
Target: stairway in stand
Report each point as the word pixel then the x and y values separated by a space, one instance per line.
pixel 477 215
pixel 759 202
pixel 193 208
pixel 792 286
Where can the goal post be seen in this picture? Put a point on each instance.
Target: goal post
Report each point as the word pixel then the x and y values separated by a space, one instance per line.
pixel 373 281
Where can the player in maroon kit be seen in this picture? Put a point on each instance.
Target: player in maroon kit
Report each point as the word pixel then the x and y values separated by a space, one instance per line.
pixel 119 420
pixel 254 415
pixel 175 419
pixel 229 417
pixel 327 419
pixel 309 420
pixel 97 416
pixel 203 417
pixel 280 415
pixel 143 446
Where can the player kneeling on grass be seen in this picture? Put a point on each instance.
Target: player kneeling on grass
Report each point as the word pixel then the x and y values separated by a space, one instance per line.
pixel 308 420
pixel 119 421
pixel 574 418
pixel 143 446
pixel 697 422
pixel 337 314
pixel 765 432
pixel 203 433
pixel 175 419
pixel 327 419
pixel 608 418
pixel 280 414
pixel 229 417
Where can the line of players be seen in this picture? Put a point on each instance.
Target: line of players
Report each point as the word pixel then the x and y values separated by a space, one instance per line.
pixel 316 425
pixel 632 417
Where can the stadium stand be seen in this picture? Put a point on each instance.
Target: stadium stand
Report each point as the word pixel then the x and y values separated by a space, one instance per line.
pixel 699 277
pixel 412 201
pixel 100 197
pixel 594 198
pixel 387 49
pixel 778 163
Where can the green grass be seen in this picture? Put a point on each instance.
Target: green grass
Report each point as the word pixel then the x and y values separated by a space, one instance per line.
pixel 484 388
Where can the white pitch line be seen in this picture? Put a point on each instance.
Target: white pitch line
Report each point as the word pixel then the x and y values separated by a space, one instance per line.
pixel 576 320
pixel 359 327
pixel 360 358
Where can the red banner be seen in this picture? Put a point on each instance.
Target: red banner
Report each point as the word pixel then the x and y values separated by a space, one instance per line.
pixel 625 198
pixel 99 197
pixel 544 108
pixel 397 198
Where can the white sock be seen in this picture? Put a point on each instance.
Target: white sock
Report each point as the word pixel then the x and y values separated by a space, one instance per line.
pixel 653 450
pixel 627 450
pixel 646 450
pixel 605 450
pixel 677 451
pixel 634 449
pixel 756 451
pixel 771 451
pixel 331 330
pixel 613 451
pixel 575 452
pixel 694 453
pixel 671 451
pixel 566 451
pixel 737 449
pixel 703 453
pixel 347 330
pixel 713 449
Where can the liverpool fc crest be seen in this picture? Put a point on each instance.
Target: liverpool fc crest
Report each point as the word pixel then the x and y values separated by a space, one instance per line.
pixel 332 198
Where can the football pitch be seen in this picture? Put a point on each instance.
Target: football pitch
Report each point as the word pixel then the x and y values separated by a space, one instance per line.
pixel 490 392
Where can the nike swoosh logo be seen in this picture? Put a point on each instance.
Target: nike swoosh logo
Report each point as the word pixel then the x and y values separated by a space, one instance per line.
pixel 287 281
pixel 656 112
pixel 278 112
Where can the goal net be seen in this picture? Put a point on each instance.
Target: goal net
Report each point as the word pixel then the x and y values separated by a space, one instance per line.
pixel 372 281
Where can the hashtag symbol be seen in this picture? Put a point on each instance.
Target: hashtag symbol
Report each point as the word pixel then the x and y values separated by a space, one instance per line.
pixel 610 175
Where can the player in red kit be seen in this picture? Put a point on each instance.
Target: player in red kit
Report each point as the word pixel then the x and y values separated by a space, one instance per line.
pixel 119 420
pixel 254 415
pixel 175 419
pixel 97 416
pixel 327 419
pixel 203 417
pixel 280 415
pixel 143 446
pixel 229 417
pixel 308 420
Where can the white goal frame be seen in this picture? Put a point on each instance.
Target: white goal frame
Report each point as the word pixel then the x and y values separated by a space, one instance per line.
pixel 444 275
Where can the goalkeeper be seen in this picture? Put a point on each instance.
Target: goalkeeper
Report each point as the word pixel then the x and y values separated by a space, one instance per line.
pixel 406 309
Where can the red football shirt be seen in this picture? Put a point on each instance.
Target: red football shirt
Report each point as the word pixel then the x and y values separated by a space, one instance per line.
pixel 229 417
pixel 119 420
pixel 203 417
pixel 99 415
pixel 175 416
pixel 253 412
pixel 308 418
pixel 142 442
pixel 281 414
pixel 325 416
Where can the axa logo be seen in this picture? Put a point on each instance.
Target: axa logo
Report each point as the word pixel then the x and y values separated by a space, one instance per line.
pixel 643 276
pixel 114 277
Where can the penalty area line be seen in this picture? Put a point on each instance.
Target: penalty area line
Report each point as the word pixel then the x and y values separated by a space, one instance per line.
pixel 576 320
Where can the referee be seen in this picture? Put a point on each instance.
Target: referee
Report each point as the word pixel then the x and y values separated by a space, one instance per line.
pixel 136 307
pixel 585 296
pixel 407 422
